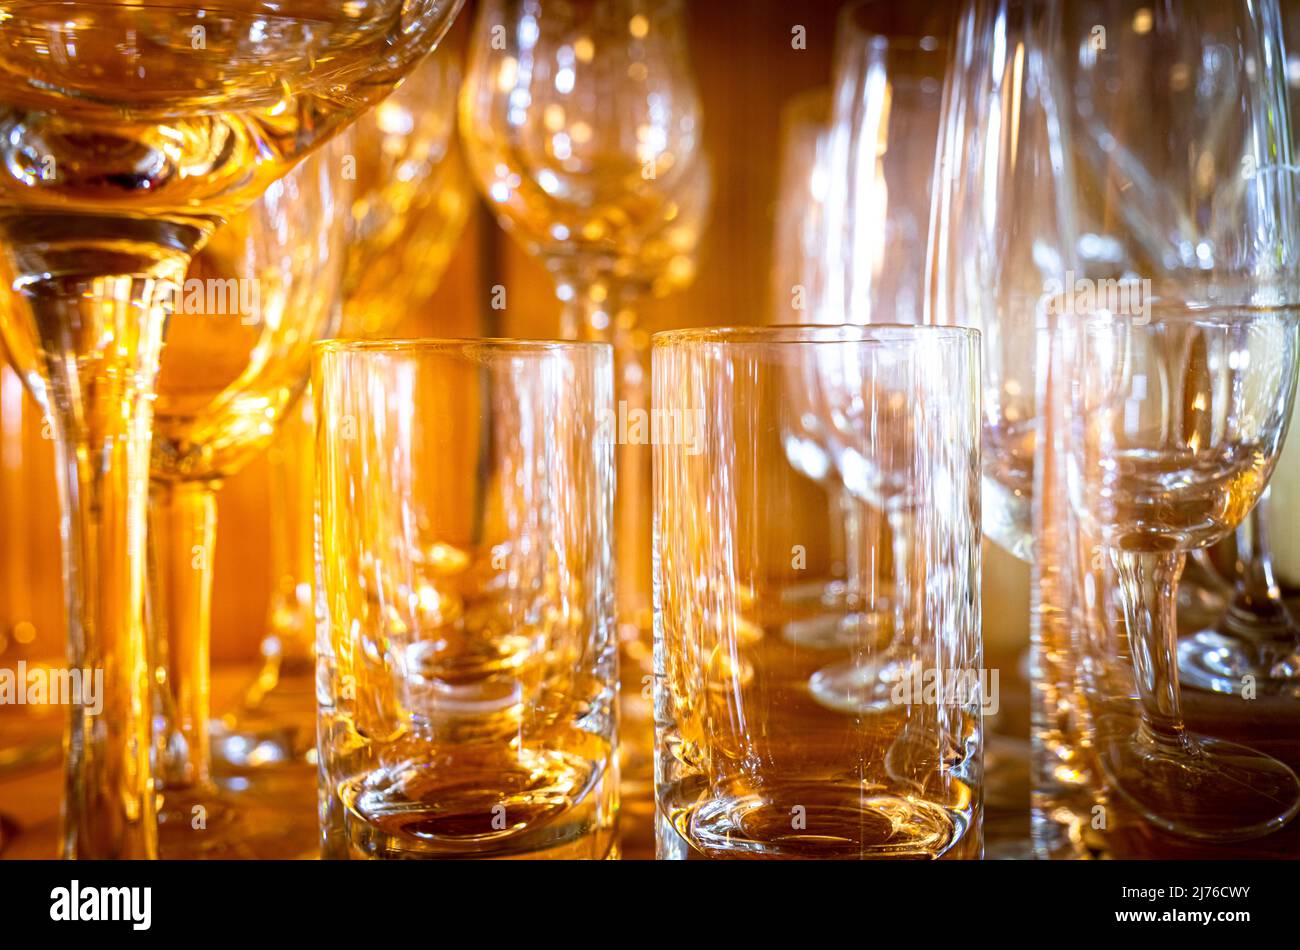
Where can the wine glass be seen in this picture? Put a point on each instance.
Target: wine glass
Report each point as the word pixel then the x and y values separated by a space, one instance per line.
pixel 1002 232
pixel 122 152
pixel 228 375
pixel 581 123
pixel 411 198
pixel 880 156
pixel 1179 131
pixel 1256 636
pixel 798 287
pixel 1174 425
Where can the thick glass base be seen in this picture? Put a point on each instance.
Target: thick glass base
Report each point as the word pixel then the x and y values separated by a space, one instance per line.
pixel 550 804
pixel 811 820
pixel 275 728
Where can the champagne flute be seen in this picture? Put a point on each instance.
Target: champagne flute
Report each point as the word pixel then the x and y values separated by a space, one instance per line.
pixel 232 368
pixel 130 131
pixel 799 274
pixel 411 198
pixel 582 126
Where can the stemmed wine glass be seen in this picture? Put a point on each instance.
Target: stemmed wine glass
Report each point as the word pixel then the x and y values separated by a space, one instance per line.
pixel 229 374
pixel 799 269
pixel 581 123
pixel 122 152
pixel 1002 232
pixel 411 196
pixel 1174 425
pixel 1256 636
pixel 1184 371
pixel 880 154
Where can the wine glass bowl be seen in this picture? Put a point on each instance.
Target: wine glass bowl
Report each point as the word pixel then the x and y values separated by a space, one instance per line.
pixel 178 118
pixel 583 129
pixel 239 345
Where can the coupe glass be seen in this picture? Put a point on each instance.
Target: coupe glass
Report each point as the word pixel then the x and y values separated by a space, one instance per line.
pixel 229 374
pixel 122 152
pixel 748 763
pixel 411 197
pixel 582 125
pixel 467 649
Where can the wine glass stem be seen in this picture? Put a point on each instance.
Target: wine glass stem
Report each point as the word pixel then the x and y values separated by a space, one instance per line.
pixel 288 643
pixel 1257 611
pixel 182 535
pixel 99 340
pixel 1148 590
pixel 600 309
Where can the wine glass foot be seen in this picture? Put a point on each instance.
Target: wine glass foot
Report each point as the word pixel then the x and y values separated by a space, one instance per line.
pixel 1208 789
pixel 835 629
pixel 219 825
pixel 859 687
pixel 1222 663
pixel 275 728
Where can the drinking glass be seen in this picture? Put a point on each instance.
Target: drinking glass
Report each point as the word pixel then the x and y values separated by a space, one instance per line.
pixel 130 131
pixel 263 290
pixel 749 763
pixel 581 123
pixel 467 648
pixel 411 196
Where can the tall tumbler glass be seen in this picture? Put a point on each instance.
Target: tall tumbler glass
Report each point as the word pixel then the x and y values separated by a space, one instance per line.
pixel 750 762
pixel 466 648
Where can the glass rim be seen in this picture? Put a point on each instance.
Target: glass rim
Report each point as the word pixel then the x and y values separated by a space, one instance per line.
pixel 786 334
pixel 421 345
